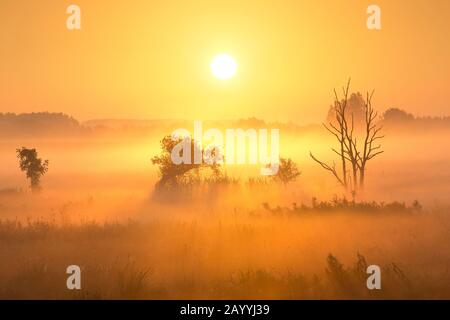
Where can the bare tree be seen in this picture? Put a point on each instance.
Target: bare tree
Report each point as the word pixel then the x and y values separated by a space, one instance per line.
pixel 331 168
pixel 372 134
pixel 339 129
pixel 343 128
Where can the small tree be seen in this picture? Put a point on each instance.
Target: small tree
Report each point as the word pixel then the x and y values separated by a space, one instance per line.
pixel 287 171
pixel 33 166
pixel 173 175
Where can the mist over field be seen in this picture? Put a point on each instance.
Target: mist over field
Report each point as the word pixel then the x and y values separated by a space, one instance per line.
pixel 224 150
pixel 305 239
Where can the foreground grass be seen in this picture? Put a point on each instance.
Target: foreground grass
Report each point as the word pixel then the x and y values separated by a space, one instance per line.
pixel 255 254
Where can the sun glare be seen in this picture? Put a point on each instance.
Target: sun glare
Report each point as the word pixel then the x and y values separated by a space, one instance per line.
pixel 223 66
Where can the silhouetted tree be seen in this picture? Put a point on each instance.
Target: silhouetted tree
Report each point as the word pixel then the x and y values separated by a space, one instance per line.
pixel 33 166
pixel 171 174
pixel 287 171
pixel 338 128
pixel 354 108
pixel 349 151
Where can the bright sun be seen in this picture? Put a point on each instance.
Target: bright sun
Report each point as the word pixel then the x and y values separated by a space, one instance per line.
pixel 223 66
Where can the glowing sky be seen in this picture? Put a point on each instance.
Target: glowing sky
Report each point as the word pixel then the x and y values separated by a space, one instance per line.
pixel 151 59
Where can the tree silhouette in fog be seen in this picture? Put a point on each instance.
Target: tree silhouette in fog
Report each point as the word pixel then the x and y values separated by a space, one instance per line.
pixel 173 175
pixel 357 143
pixel 355 108
pixel 287 171
pixel 33 166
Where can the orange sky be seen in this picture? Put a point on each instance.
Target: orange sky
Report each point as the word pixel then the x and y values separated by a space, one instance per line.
pixel 150 59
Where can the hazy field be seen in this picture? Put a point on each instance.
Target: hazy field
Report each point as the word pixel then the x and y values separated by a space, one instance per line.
pixel 96 211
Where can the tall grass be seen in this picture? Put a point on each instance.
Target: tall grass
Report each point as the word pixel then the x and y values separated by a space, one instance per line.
pixel 244 254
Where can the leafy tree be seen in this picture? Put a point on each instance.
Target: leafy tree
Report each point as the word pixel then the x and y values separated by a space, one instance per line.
pixel 174 175
pixel 355 109
pixel 287 171
pixel 33 166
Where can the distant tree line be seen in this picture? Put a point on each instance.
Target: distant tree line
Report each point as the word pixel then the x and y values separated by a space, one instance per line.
pixel 47 124
pixel 355 108
pixel 396 116
pixel 40 123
